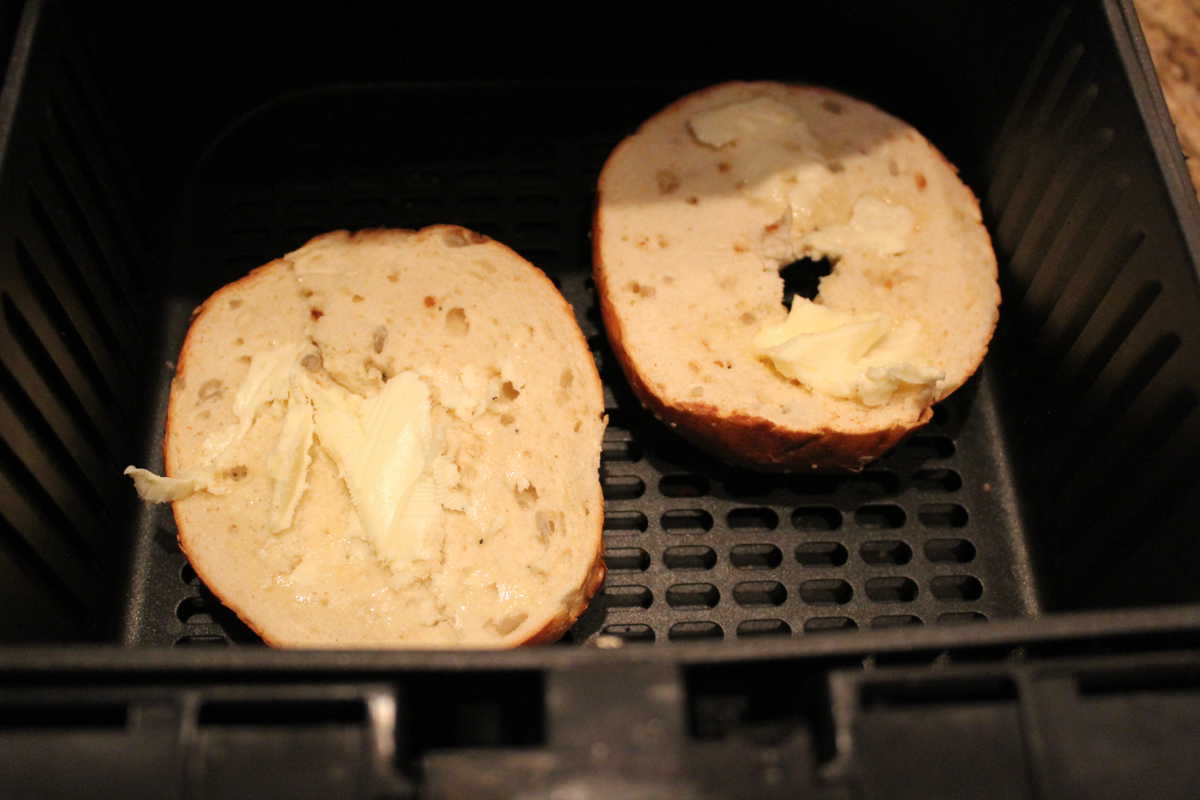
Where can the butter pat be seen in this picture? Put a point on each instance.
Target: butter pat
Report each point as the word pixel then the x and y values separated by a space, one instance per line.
pixel 875 227
pixel 778 161
pixel 384 447
pixel 761 117
pixel 861 357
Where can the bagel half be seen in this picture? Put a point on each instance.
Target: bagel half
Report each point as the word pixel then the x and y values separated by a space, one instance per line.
pixel 389 439
pixel 697 213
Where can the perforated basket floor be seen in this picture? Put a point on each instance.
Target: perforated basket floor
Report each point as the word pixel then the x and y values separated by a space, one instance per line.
pixel 695 549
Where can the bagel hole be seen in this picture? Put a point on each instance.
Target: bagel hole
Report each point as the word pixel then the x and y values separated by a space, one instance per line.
pixel 803 278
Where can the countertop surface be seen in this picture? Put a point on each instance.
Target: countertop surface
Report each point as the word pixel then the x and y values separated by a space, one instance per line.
pixel 1172 29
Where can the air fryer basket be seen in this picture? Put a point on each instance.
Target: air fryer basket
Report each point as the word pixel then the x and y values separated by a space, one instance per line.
pixel 138 176
pixel 695 550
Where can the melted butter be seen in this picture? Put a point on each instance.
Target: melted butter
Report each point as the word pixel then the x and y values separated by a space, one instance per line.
pixel 875 227
pixel 778 162
pixel 268 379
pixel 862 357
pixel 384 447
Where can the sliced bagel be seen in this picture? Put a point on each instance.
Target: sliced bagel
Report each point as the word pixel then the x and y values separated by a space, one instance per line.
pixel 390 439
pixel 702 207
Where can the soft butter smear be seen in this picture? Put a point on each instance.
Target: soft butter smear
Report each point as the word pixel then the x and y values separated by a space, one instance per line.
pixel 861 357
pixel 384 447
pixel 777 160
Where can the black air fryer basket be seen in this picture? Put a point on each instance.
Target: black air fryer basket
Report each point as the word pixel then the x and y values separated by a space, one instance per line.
pixel 1003 606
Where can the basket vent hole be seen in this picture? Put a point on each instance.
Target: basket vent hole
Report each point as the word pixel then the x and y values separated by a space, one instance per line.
pixel 942 515
pixel 937 480
pixel 620 451
pixel 632 596
pixel 690 557
pixel 829 625
pixel 895 621
pixel 756 556
pixel 880 517
pixel 885 552
pixel 625 520
pixel 949 551
pixel 753 518
pixel 763 627
pixel 683 486
pixel 693 595
pixel 682 631
pixel 631 633
pixel 760 593
pixel 892 590
pixel 626 559
pixel 623 487
pixel 687 520
pixel 821 554
pixel 194 611
pixel 817 518
pixel 956 587
pixel 826 592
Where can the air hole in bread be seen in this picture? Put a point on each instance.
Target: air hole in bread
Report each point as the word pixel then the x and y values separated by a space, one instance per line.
pixel 379 338
pixel 566 379
pixel 547 523
pixel 803 278
pixel 640 289
pixel 832 106
pixel 506 419
pixel 457 322
pixel 235 473
pixel 312 362
pixel 667 181
pixel 748 318
pixel 508 624
pixel 509 392
pixel 235 303
pixel 527 496
pixel 210 390
pixel 238 342
pixel 358 298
